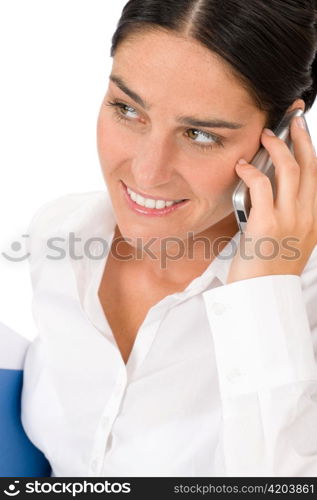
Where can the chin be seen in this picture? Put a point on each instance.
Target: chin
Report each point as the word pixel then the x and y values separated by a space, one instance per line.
pixel 134 231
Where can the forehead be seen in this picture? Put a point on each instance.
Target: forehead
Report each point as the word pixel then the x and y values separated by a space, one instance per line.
pixel 165 68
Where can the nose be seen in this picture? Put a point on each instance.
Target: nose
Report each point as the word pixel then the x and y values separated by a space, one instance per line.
pixel 152 165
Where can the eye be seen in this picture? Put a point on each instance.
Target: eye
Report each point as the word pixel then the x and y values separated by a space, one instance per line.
pixel 210 141
pixel 121 110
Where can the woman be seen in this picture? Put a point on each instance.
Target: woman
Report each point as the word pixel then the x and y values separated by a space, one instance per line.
pixel 160 352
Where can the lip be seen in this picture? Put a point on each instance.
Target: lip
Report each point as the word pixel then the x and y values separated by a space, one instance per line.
pixel 150 212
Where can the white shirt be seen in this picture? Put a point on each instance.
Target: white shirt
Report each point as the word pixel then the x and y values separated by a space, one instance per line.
pixel 221 380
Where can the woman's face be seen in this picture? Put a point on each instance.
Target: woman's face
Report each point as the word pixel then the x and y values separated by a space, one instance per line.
pixel 155 141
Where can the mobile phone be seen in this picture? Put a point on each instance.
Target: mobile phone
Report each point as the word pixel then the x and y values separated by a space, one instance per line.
pixel 241 196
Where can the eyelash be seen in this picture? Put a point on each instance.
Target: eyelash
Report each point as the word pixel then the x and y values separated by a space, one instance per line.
pixel 117 106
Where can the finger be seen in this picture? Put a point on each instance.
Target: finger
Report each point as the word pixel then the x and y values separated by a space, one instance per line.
pixel 287 172
pixel 261 193
pixel 305 155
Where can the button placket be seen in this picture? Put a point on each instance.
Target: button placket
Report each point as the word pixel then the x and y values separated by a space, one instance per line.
pixel 100 447
pixel 103 436
pixel 105 423
pixel 95 465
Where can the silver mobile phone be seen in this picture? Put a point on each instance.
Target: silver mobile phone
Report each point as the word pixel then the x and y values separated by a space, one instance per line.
pixel 241 196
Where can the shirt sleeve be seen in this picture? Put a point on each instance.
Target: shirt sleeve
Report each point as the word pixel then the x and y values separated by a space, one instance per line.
pixel 264 343
pixel 46 229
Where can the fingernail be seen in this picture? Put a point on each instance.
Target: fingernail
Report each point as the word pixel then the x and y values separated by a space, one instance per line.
pixel 300 122
pixel 242 161
pixel 268 131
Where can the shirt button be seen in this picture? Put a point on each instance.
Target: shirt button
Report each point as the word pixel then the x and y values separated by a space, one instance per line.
pixel 94 465
pixel 218 308
pixel 234 374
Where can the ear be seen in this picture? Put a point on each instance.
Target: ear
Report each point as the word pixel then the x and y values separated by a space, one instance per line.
pixel 298 103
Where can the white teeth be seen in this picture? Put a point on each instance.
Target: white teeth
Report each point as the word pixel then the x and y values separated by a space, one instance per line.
pixel 160 204
pixel 140 200
pixel 148 202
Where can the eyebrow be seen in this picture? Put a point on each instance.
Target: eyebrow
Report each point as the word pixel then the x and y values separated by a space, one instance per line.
pixel 191 121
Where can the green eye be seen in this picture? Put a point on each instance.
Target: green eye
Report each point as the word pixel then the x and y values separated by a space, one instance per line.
pixel 210 141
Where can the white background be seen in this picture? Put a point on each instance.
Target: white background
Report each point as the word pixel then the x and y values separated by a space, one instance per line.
pixel 55 64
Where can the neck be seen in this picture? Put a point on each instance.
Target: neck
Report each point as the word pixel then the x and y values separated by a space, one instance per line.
pixel 196 254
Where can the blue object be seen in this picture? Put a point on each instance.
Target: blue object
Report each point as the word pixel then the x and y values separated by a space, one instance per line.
pixel 18 456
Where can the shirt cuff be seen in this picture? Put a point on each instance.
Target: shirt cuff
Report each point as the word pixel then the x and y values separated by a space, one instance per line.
pixel 261 334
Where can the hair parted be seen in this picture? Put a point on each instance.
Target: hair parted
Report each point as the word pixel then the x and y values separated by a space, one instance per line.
pixel 269 44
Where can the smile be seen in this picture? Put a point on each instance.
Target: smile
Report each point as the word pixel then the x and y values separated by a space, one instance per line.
pixel 151 206
pixel 150 202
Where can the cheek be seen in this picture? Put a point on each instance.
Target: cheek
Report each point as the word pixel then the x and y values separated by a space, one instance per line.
pixel 219 179
pixel 216 181
pixel 114 145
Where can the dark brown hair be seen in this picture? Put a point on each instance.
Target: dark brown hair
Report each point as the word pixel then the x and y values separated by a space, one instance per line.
pixel 269 44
